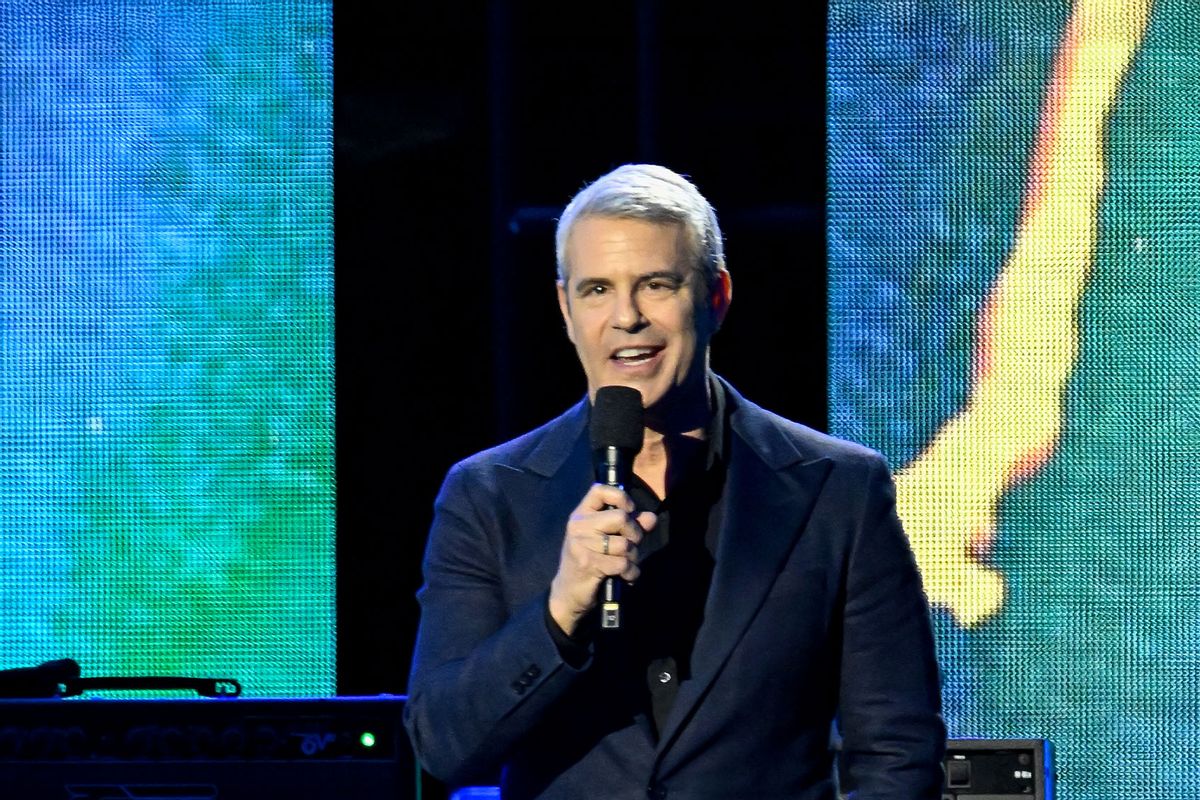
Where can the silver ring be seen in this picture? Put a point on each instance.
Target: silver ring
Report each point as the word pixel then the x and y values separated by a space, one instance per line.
pixel 606 538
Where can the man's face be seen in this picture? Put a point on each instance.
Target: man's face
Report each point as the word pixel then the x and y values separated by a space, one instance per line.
pixel 636 308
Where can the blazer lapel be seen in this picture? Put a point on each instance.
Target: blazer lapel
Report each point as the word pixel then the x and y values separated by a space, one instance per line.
pixel 769 494
pixel 559 443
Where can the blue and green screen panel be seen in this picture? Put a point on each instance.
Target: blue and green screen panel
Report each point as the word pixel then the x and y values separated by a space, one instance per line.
pixel 1014 239
pixel 166 357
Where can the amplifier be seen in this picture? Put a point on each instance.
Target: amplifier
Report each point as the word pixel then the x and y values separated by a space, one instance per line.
pixel 998 769
pixel 205 749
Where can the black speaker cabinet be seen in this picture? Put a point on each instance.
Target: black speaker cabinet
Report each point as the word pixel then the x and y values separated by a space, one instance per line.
pixel 998 769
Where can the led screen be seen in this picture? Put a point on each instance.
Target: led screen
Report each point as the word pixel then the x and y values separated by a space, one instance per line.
pixel 1014 236
pixel 166 420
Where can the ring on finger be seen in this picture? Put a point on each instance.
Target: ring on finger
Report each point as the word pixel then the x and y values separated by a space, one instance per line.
pixel 606 538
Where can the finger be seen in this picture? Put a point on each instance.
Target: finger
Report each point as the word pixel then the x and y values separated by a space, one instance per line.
pixel 598 565
pixel 631 530
pixel 600 497
pixel 631 573
pixel 619 527
pixel 634 528
pixel 614 545
pixel 591 523
pixel 587 552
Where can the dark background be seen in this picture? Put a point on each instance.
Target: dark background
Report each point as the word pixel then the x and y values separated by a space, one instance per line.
pixel 460 132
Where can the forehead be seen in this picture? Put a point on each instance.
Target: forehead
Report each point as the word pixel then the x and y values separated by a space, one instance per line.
pixel 601 244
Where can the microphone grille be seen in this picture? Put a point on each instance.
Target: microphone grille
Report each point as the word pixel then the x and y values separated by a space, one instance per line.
pixel 617 418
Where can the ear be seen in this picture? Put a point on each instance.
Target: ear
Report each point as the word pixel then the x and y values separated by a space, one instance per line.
pixel 564 308
pixel 720 296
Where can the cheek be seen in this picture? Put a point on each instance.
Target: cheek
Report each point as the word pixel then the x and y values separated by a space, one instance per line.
pixel 587 335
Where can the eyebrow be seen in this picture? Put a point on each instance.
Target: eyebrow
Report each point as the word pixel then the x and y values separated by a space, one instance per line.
pixel 659 274
pixel 662 274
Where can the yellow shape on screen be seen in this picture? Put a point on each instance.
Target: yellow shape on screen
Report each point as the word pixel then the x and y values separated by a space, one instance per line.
pixel 1027 335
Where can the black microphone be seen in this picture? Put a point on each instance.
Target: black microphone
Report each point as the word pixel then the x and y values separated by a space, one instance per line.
pixel 616 433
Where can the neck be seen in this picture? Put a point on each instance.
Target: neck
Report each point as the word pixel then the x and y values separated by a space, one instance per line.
pixel 669 437
pixel 682 411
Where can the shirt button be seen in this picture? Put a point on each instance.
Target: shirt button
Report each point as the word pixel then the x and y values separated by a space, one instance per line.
pixel 664 677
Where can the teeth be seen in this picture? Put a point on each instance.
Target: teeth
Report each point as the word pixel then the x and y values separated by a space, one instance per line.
pixel 634 352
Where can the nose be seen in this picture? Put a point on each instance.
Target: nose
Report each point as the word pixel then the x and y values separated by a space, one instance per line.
pixel 627 315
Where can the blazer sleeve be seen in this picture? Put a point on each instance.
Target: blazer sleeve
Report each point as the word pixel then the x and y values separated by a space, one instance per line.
pixel 893 736
pixel 483 675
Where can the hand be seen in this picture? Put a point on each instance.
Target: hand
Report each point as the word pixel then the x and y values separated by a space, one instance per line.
pixel 600 542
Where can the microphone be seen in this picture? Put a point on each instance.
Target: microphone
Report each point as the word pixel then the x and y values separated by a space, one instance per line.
pixel 616 432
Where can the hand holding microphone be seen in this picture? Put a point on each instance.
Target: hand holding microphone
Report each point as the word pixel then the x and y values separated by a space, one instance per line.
pixel 603 531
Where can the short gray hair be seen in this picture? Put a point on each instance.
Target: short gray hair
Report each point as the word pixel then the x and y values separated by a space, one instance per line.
pixel 654 194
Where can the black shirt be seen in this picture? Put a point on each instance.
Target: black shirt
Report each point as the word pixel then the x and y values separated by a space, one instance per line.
pixel 662 612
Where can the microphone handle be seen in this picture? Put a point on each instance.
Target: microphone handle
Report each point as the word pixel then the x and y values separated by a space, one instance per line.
pixel 610 590
pixel 610 604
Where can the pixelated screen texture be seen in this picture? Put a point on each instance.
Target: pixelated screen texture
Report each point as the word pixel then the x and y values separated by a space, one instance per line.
pixel 1014 240
pixel 166 419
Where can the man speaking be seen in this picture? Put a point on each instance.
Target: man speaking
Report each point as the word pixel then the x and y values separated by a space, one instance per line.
pixel 766 588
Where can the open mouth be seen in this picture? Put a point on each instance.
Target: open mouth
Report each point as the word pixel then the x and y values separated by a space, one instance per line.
pixel 632 356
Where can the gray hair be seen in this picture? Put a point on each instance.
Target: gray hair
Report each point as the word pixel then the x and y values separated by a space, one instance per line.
pixel 654 194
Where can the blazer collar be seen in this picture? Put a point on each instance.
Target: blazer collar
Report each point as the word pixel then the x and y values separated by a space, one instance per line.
pixel 563 437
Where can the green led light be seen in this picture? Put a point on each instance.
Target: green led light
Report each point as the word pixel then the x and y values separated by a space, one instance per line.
pixel 367 739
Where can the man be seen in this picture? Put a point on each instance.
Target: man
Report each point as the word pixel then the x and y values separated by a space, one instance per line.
pixel 770 585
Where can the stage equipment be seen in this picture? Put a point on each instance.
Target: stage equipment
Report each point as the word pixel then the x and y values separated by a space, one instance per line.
pixel 210 749
pixel 998 769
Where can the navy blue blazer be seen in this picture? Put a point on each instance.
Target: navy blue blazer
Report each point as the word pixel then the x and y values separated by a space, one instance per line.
pixel 815 610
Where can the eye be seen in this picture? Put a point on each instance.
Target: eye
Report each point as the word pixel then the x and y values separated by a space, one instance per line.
pixel 659 286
